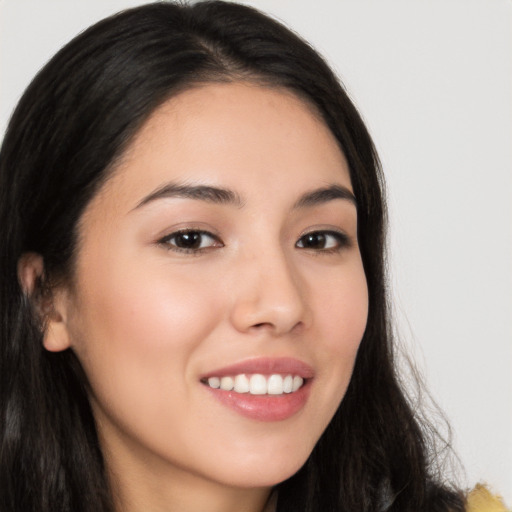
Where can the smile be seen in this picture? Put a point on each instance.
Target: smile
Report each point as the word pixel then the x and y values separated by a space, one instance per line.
pixel 262 389
pixel 257 384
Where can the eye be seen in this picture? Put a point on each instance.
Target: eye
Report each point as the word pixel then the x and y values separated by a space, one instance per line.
pixel 329 241
pixel 190 240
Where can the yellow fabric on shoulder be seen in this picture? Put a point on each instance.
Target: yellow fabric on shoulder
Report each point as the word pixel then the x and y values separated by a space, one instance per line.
pixel 480 499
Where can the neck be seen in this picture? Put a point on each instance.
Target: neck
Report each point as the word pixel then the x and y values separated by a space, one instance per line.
pixel 159 486
pixel 182 496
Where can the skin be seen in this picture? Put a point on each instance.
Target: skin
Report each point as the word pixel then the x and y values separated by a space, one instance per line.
pixel 147 319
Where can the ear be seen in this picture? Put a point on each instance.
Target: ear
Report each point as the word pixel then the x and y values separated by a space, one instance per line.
pixel 50 305
pixel 30 271
pixel 56 333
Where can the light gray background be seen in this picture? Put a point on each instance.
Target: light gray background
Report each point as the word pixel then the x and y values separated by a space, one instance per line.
pixel 433 79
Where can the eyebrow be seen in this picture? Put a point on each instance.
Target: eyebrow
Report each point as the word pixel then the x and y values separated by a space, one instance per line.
pixel 324 195
pixel 224 196
pixel 215 195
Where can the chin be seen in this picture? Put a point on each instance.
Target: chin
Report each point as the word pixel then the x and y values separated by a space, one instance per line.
pixel 263 474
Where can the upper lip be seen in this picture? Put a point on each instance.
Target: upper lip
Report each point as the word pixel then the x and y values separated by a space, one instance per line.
pixel 266 366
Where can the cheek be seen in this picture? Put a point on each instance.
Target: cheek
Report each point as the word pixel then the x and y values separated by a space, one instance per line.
pixel 343 313
pixel 145 305
pixel 136 331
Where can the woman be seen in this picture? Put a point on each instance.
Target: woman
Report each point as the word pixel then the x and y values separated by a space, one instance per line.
pixel 193 295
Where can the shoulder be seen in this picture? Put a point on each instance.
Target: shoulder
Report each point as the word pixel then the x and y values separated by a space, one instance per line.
pixel 480 499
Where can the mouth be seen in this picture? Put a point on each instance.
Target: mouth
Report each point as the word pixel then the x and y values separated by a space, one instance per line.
pixel 262 389
pixel 257 383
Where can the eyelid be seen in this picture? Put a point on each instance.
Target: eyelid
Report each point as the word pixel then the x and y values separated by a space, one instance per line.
pixel 343 239
pixel 165 240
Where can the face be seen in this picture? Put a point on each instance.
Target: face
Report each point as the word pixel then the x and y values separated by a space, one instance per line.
pixel 222 252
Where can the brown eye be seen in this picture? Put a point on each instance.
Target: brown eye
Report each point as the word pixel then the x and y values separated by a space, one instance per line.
pixel 322 240
pixel 191 240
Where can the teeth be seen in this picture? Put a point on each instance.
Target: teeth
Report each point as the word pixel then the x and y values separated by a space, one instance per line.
pixel 241 384
pixel 214 382
pixel 275 385
pixel 288 384
pixel 297 382
pixel 258 384
pixel 227 383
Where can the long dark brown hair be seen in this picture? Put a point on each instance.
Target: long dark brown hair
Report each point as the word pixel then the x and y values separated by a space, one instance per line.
pixel 73 122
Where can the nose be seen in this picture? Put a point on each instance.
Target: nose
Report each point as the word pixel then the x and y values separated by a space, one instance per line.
pixel 269 295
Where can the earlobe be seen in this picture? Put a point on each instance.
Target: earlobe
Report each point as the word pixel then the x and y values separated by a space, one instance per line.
pixel 56 334
pixel 49 305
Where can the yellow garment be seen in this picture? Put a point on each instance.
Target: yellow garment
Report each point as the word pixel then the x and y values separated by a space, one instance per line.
pixel 481 500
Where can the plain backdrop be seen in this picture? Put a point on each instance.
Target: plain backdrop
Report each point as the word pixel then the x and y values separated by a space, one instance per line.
pixel 433 80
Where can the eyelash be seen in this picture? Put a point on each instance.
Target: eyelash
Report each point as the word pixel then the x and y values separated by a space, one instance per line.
pixel 166 240
pixel 342 241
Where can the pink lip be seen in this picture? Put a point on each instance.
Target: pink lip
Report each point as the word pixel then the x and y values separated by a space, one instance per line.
pixel 264 407
pixel 265 366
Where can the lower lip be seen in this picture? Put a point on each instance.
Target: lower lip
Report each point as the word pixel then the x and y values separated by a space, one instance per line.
pixel 264 407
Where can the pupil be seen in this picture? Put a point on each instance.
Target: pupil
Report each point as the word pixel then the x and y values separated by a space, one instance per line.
pixel 314 240
pixel 190 240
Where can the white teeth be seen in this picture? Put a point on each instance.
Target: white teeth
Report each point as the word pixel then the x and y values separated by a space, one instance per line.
pixel 214 382
pixel 297 382
pixel 258 384
pixel 288 384
pixel 275 385
pixel 241 384
pixel 227 383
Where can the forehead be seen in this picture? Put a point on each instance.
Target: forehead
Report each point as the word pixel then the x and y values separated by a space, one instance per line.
pixel 240 134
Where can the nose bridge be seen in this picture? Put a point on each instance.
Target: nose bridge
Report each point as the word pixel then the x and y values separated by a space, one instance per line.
pixel 269 291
